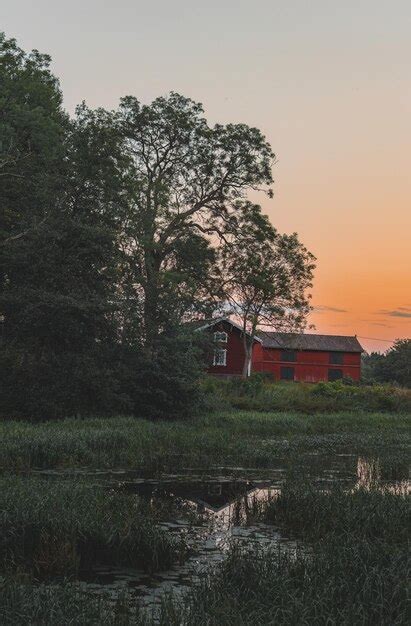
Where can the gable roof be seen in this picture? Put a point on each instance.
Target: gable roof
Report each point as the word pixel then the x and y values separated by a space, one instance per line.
pixel 210 323
pixel 299 341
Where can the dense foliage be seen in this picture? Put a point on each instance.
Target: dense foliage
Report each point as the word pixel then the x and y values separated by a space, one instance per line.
pixel 394 366
pixel 259 393
pixel 116 227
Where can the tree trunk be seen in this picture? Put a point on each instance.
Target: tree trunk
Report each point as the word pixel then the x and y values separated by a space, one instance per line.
pixel 151 297
pixel 248 349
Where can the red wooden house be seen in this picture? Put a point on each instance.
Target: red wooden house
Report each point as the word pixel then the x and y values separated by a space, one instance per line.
pixel 226 359
pixel 287 356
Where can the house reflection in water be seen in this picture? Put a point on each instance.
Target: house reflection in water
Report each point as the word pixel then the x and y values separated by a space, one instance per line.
pixel 241 507
pixel 228 502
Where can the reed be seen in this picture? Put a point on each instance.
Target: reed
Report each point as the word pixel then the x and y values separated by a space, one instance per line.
pixel 52 528
pixel 380 514
pixel 347 583
pixel 46 605
pixel 353 570
pixel 251 439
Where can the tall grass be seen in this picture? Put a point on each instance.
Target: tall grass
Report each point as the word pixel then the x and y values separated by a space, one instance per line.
pixel 253 439
pixel 348 584
pixel 57 605
pixel 353 571
pixel 367 514
pixel 343 584
pixel 59 527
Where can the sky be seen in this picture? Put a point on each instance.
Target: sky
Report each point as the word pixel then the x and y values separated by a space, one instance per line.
pixel 327 81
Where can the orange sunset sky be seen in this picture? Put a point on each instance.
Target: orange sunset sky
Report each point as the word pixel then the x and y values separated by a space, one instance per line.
pixel 328 82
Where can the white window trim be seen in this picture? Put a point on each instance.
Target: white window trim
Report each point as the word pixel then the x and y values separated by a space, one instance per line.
pixel 224 353
pixel 221 336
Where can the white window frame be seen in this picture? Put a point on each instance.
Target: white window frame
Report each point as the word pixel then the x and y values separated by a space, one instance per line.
pixel 220 336
pixel 220 353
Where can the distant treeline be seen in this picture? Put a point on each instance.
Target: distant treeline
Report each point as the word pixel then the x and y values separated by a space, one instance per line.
pixel 394 366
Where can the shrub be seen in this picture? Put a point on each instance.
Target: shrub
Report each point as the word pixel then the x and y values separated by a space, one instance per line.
pixel 258 394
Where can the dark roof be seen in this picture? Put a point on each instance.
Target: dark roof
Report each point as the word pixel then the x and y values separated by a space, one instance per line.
pixel 299 341
pixel 203 324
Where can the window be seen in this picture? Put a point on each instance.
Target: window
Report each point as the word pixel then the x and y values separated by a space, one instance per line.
pixel 336 358
pixel 288 355
pixel 221 337
pixel 220 357
pixel 335 375
pixel 287 373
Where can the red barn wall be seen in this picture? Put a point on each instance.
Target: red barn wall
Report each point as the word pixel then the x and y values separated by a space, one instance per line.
pixel 310 366
pixel 235 351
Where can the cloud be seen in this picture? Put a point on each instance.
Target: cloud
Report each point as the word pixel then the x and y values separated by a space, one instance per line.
pixel 374 323
pixel 321 308
pixel 401 311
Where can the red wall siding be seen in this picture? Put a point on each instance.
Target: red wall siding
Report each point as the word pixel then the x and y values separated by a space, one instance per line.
pixel 235 352
pixel 309 367
pixel 352 358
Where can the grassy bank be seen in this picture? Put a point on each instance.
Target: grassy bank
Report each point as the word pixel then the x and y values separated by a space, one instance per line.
pixel 251 439
pixel 259 393
pixel 52 528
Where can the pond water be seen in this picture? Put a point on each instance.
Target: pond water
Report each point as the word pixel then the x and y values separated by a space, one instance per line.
pixel 219 507
pixel 217 511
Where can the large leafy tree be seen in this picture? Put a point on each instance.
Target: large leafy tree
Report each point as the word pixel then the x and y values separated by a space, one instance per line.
pixel 112 227
pixel 183 183
pixel 266 277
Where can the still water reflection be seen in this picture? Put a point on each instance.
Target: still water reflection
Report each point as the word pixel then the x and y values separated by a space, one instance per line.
pixel 221 508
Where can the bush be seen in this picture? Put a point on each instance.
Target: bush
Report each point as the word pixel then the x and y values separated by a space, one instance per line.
pixel 258 394
pixel 105 380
